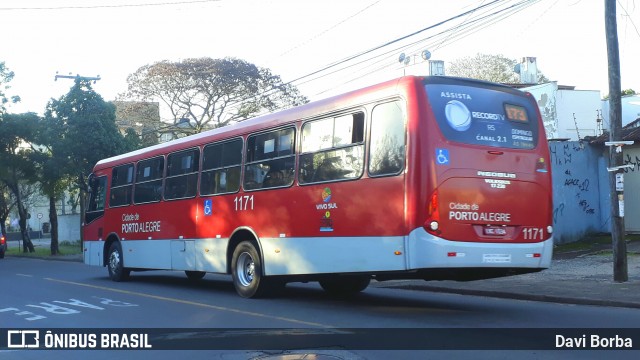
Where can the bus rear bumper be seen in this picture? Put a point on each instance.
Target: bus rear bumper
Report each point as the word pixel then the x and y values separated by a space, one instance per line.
pixel 426 251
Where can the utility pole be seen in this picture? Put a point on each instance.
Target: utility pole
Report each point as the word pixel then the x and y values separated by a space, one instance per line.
pixel 77 77
pixel 620 272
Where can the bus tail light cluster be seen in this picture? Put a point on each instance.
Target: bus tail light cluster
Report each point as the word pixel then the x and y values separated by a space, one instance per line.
pixel 432 224
pixel 541 166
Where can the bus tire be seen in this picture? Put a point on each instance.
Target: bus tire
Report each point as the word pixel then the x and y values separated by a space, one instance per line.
pixel 246 271
pixel 195 275
pixel 345 285
pixel 115 264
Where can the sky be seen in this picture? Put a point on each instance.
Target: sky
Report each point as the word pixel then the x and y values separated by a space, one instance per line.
pixel 295 38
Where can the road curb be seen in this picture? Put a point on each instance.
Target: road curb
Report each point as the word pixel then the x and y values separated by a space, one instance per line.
pixel 517 296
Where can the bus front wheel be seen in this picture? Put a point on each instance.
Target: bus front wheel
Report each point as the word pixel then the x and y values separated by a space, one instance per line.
pixel 246 270
pixel 117 271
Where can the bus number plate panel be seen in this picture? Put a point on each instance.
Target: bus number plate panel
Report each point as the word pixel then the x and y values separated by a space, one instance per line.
pixel 494 231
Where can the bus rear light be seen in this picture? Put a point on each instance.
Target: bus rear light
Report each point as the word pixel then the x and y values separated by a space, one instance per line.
pixel 534 255
pixel 397 252
pixel 432 223
pixel 541 166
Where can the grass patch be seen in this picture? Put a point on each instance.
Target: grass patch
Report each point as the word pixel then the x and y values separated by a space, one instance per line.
pixel 592 242
pixel 64 248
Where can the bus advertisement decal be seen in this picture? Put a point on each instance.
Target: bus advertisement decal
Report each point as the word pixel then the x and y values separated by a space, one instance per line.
pixel 326 223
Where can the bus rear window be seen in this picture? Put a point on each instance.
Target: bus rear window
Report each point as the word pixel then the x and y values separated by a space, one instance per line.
pixel 484 115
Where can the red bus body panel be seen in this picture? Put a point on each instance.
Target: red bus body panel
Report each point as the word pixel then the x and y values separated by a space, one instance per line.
pixel 391 213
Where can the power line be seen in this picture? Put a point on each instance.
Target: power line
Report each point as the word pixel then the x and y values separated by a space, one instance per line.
pixel 330 28
pixel 109 6
pixel 392 41
pixel 629 18
pixel 477 23
pixel 352 57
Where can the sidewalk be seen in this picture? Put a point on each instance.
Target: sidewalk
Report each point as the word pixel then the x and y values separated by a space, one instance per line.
pixel 578 278
pixel 584 278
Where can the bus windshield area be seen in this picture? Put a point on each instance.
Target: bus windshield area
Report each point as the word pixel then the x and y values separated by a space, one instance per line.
pixel 484 115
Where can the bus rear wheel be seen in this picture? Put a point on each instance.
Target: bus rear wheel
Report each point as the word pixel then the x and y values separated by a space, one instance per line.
pixel 246 270
pixel 345 285
pixel 195 275
pixel 115 264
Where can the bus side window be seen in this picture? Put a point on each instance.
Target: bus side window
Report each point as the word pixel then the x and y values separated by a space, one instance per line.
pixel 121 185
pixel 148 186
pixel 332 149
pixel 221 166
pixel 387 150
pixel 270 160
pixel 182 174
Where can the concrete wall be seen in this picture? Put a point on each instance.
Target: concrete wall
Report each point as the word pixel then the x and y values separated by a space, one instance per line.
pixel 631 156
pixel 578 179
pixel 577 108
pixel 545 95
pixel 630 110
pixel 69 227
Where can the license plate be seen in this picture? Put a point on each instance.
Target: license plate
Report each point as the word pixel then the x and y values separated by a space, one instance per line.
pixel 496 258
pixel 494 231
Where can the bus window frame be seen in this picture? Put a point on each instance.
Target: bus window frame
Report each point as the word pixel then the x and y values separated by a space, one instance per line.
pixel 136 182
pixel 132 183
pixel 196 173
pixel 98 213
pixel 343 112
pixel 294 155
pixel 403 107
pixel 240 165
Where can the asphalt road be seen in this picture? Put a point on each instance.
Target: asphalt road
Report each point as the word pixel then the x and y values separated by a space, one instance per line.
pixel 40 294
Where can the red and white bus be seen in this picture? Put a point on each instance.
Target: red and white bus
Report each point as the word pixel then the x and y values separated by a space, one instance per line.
pixel 421 177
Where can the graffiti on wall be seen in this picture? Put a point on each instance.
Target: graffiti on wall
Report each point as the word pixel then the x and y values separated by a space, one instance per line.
pixel 575 185
pixel 635 162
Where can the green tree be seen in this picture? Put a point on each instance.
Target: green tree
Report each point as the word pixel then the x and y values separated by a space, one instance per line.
pixel 495 68
pixel 51 172
pixel 81 130
pixel 5 207
pixel 623 93
pixel 210 93
pixel 17 167
pixel 5 77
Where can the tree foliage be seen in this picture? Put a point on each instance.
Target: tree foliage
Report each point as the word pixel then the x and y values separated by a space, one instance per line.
pixel 17 168
pixel 495 68
pixel 78 130
pixel 625 92
pixel 5 77
pixel 211 92
pixel 82 129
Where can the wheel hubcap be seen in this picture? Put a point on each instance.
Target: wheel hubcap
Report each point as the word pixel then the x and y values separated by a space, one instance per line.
pixel 114 260
pixel 246 269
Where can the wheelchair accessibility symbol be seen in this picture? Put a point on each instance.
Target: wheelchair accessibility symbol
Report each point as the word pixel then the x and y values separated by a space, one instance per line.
pixel 208 207
pixel 442 156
